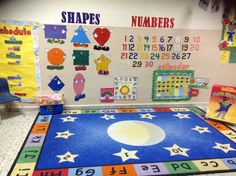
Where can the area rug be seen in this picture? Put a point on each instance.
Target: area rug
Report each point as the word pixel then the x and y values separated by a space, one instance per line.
pixel 130 142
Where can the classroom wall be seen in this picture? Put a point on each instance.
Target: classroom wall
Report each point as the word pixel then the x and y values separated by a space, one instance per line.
pixel 116 15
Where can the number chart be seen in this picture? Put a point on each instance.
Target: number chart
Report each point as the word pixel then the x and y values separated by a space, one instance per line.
pixel 171 84
pixel 146 50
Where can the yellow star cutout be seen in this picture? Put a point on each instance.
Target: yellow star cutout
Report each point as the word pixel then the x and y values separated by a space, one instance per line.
pixel 102 63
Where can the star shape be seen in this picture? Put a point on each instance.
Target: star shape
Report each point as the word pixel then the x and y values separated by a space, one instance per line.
pixel 68 119
pixel 127 154
pixel 201 129
pixel 64 134
pixel 108 117
pixel 177 150
pixel 182 116
pixel 146 116
pixel 224 147
pixel 67 157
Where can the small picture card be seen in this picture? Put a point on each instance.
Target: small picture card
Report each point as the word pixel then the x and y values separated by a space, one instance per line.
pixel 125 87
pixel 107 95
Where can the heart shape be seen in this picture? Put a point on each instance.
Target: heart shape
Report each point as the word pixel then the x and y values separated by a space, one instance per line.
pixel 101 35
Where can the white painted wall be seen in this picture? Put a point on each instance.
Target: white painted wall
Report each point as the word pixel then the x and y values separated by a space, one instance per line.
pixel 187 14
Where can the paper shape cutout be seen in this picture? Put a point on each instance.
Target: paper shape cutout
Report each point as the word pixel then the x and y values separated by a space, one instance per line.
pixel 193 92
pixel 107 95
pixel 224 56
pixel 101 36
pixel 125 87
pixel 56 84
pixel 56 57
pixel 172 85
pixel 80 38
pixel 102 64
pixel 80 58
pixel 55 33
pixel 222 104
pixel 78 85
pixel 223 44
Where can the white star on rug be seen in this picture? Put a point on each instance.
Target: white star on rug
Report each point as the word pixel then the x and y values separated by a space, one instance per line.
pixel 126 154
pixel 224 147
pixel 64 134
pixel 67 157
pixel 108 117
pixel 201 129
pixel 176 150
pixel 68 119
pixel 182 116
pixel 146 116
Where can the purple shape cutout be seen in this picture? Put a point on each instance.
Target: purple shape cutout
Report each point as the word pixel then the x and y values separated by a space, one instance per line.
pixel 55 31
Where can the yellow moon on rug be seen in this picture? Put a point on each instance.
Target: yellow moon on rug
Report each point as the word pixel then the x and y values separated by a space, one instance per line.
pixel 136 133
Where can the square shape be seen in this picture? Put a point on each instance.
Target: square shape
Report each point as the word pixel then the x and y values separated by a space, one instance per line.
pixel 125 87
pixel 81 57
pixel 171 85
pixel 56 84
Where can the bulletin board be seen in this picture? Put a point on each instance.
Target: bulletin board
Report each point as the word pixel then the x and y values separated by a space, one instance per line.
pixel 19 57
pixel 121 62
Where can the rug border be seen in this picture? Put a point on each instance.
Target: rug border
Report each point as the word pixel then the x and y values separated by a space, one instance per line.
pixel 153 108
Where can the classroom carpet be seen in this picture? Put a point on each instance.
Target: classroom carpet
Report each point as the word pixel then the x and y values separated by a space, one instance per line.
pixel 130 142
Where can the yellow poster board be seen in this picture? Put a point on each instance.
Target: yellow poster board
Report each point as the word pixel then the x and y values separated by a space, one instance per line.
pixel 17 61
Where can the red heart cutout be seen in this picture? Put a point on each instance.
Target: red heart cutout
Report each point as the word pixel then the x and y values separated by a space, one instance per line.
pixel 101 35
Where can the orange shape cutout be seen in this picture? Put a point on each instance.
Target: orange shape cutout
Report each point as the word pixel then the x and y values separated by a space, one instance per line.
pixel 56 56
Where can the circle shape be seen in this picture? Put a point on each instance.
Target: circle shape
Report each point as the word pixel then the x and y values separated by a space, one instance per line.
pixel 136 133
pixel 124 90
pixel 56 56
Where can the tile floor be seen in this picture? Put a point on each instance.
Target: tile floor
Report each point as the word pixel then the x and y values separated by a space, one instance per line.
pixel 13 130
